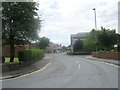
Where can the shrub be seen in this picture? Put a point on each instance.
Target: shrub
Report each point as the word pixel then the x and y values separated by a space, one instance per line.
pixel 78 53
pixel 69 53
pixel 29 55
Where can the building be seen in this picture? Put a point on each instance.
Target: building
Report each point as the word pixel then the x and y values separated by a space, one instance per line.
pixel 75 37
pixel 53 48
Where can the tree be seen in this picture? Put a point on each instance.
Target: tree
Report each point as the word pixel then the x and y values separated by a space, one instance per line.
pixel 90 41
pixel 64 48
pixel 106 39
pixel 103 39
pixel 43 42
pixel 118 42
pixel 21 23
pixel 78 45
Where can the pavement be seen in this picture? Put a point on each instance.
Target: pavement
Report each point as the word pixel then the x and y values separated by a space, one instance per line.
pixel 111 61
pixel 26 70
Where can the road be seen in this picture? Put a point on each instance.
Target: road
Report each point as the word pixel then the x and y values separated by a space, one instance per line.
pixel 68 72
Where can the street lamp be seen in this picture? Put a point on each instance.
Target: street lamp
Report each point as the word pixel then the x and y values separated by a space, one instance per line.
pixel 95 18
pixel 95 28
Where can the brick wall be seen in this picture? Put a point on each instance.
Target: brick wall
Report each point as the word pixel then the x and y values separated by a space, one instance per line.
pixel 6 50
pixel 107 55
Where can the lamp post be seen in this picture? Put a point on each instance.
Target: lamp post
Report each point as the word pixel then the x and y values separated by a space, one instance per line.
pixel 95 28
pixel 95 18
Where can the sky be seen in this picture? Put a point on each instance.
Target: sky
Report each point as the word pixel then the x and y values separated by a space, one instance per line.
pixel 64 17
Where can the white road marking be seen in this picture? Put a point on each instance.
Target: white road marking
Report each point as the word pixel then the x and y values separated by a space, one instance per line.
pixel 31 72
pixel 79 64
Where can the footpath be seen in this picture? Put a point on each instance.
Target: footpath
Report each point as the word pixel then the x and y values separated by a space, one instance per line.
pixel 115 62
pixel 26 70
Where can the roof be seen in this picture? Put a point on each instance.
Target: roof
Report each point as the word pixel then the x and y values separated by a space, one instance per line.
pixel 79 34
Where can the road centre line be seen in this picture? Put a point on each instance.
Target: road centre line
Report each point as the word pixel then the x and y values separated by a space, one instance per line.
pixel 79 64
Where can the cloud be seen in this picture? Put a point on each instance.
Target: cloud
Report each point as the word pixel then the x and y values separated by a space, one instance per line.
pixel 65 17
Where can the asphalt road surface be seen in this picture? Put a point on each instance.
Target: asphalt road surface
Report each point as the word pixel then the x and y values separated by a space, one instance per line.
pixel 68 72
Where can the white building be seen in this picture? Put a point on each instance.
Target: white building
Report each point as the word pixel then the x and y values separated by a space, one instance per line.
pixel 75 37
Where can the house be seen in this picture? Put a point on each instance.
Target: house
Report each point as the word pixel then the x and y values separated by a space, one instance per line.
pixel 53 48
pixel 75 37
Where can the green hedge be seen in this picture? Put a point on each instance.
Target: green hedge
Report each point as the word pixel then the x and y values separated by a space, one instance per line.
pixel 32 54
pixel 78 53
